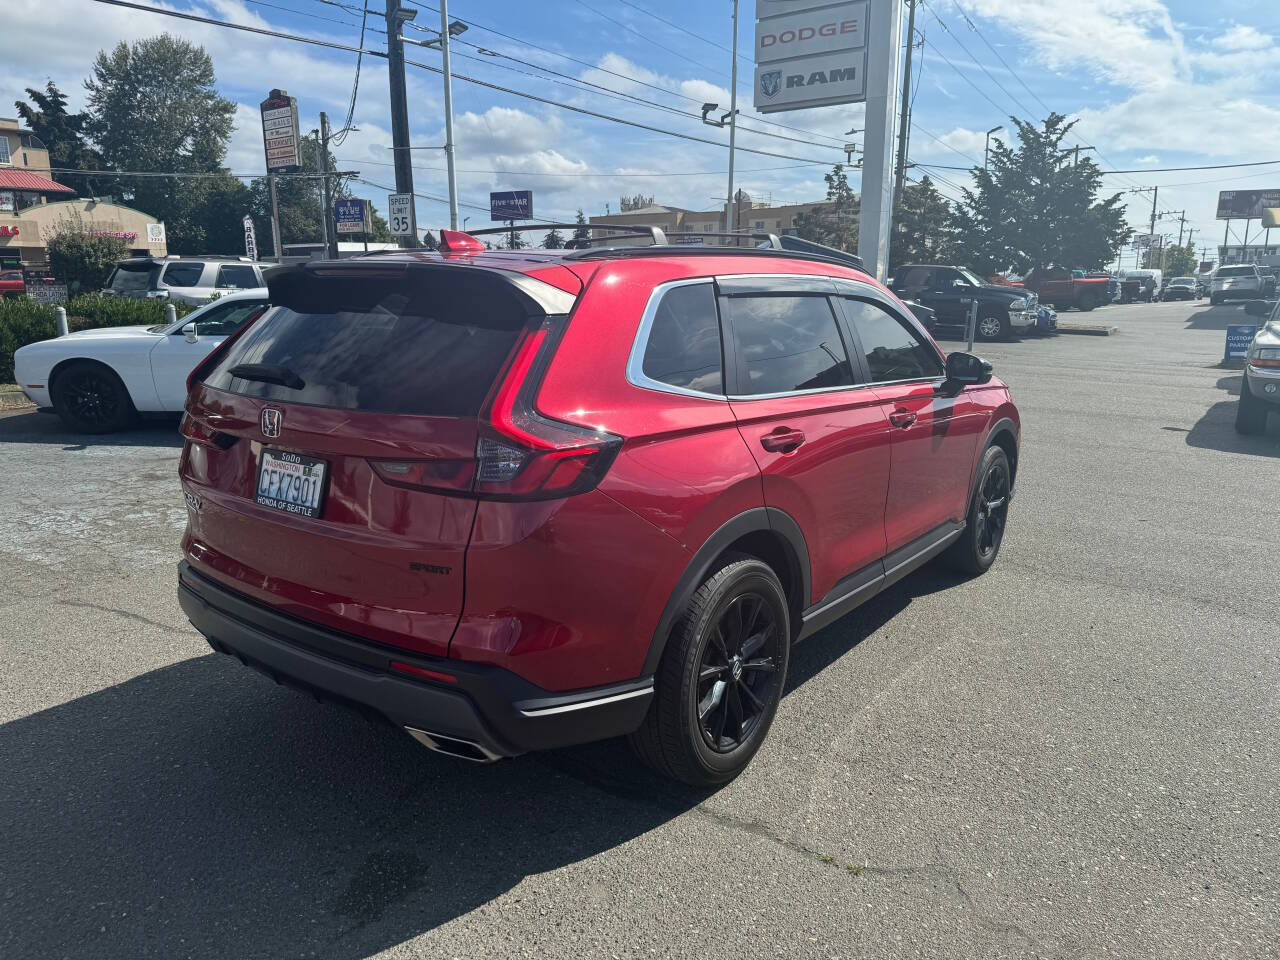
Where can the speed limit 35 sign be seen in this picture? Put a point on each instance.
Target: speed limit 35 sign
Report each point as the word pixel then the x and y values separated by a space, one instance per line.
pixel 400 215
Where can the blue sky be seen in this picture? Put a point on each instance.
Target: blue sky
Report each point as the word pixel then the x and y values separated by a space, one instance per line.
pixel 1155 83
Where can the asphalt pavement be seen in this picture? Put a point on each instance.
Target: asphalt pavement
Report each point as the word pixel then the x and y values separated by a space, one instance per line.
pixel 1076 755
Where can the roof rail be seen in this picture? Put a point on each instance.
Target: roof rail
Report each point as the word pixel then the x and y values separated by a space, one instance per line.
pixel 655 234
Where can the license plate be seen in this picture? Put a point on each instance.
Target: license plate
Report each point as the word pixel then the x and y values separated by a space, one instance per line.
pixel 290 482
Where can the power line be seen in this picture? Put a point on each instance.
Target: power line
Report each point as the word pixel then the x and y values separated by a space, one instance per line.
pixel 591 173
pixel 1212 166
pixel 630 29
pixel 340 137
pixel 676 26
pixel 942 23
pixel 1015 74
pixel 939 140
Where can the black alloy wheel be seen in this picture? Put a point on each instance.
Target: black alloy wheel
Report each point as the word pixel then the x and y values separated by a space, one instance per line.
pixel 721 676
pixel 91 399
pixel 993 508
pixel 738 674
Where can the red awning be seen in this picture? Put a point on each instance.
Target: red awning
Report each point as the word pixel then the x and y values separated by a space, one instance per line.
pixel 31 182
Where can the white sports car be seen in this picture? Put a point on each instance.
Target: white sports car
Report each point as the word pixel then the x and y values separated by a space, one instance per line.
pixel 99 380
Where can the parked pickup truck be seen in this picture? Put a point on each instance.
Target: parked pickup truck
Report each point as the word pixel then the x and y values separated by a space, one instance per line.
pixel 12 285
pixel 1068 288
pixel 1003 311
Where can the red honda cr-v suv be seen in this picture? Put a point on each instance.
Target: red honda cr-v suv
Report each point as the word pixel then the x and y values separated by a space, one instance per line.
pixel 513 501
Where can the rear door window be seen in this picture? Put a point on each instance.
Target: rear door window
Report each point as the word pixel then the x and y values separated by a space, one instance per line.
pixel 237 275
pixel 183 274
pixel 786 343
pixel 683 349
pixel 429 344
pixel 892 350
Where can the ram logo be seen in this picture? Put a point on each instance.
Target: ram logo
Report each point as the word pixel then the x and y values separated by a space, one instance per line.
pixel 819 77
pixel 771 83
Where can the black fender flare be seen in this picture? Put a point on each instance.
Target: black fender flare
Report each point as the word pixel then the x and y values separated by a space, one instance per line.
pixel 1002 427
pixel 755 520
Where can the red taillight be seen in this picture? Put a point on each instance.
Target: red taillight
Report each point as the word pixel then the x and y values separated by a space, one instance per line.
pixel 520 454
pixel 1264 362
pixel 416 671
pixel 197 432
pixel 207 364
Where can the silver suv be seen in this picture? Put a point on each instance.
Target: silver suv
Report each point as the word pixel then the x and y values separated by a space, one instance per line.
pixel 1242 282
pixel 191 279
pixel 1260 385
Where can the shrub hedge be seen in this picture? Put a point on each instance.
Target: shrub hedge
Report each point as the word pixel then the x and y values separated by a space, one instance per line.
pixel 24 321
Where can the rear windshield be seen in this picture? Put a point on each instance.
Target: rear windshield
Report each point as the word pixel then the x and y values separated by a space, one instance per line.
pixel 133 278
pixel 423 344
pixel 1236 272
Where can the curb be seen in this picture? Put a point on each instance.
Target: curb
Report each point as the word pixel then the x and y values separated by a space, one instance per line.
pixel 1086 329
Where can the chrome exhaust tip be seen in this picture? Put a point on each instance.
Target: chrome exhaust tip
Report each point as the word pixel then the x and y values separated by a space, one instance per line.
pixel 453 746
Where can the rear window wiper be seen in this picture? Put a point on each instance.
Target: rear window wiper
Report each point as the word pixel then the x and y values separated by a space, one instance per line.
pixel 268 373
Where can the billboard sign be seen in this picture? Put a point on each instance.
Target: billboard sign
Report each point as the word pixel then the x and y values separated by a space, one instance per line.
pixel 280 136
pixel 511 205
pixel 1148 241
pixel 350 216
pixel 1245 204
pixel 810 54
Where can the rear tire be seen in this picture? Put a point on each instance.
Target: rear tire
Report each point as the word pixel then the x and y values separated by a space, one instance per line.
pixel 979 545
pixel 91 398
pixel 1251 413
pixel 721 677
pixel 1214 299
pixel 1087 302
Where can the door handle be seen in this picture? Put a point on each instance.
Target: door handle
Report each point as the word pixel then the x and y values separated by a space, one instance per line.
pixel 902 417
pixel 782 440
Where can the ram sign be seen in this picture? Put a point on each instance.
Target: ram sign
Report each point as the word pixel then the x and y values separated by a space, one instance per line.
pixel 1246 204
pixel 810 54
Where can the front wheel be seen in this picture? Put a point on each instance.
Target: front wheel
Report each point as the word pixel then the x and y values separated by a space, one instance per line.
pixel 979 544
pixel 90 398
pixel 1214 299
pixel 1251 413
pixel 720 678
pixel 1086 303
pixel 992 327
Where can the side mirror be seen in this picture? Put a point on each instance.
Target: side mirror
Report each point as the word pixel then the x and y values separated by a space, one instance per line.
pixel 1259 308
pixel 189 331
pixel 965 370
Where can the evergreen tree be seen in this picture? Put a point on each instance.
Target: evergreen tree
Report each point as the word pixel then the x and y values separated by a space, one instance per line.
pixel 1034 207
pixel 835 223
pixel 62 133
pixel 553 240
pixel 921 226
pixel 581 233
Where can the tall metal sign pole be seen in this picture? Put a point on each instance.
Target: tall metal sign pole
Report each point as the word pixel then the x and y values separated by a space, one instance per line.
pixel 884 38
pixel 729 219
pixel 816 53
pixel 448 114
pixel 281 141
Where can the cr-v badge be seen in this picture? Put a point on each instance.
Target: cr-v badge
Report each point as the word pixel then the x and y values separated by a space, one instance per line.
pixel 271 418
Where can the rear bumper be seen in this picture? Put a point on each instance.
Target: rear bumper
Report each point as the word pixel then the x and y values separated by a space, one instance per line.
pixel 487 706
pixel 1238 293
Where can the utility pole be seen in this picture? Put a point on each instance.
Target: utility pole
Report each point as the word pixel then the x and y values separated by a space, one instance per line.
pixel 275 219
pixel 733 118
pixel 399 103
pixel 906 96
pixel 1078 148
pixel 1155 192
pixel 326 213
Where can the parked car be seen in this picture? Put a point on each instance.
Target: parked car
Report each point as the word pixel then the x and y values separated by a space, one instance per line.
pixel 1046 320
pixel 1202 284
pixel 515 500
pixel 1236 282
pixel 12 284
pixel 1148 283
pixel 190 279
pixel 1268 274
pixel 1180 288
pixel 1002 310
pixel 99 380
pixel 1068 288
pixel 1260 384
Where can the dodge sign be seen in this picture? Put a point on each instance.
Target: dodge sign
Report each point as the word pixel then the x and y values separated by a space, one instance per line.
pixel 810 54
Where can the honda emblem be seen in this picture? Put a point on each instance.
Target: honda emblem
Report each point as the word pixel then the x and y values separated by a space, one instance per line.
pixel 271 418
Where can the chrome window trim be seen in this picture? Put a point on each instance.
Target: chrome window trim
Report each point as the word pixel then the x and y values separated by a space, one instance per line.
pixel 635 360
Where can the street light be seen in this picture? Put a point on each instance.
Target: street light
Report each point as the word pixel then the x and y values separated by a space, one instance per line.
pixel 986 150
pixel 441 42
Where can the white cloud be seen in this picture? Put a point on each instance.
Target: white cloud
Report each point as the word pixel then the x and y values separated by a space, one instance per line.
pixel 1150 159
pixel 1244 37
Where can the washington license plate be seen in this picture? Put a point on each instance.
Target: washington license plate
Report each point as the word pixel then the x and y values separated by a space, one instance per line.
pixel 291 482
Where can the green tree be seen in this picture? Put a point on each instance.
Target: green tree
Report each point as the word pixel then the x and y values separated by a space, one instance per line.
pixel 153 107
pixel 921 226
pixel 553 240
pixel 84 258
pixel 1035 207
pixel 626 204
pixel 1173 260
pixel 62 133
pixel 582 232
pixel 835 222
